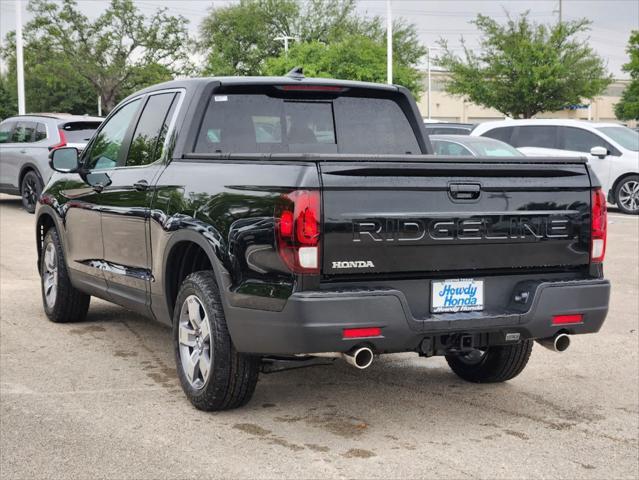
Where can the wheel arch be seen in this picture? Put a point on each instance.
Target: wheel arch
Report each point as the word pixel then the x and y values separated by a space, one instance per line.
pixel 27 167
pixel 187 252
pixel 46 220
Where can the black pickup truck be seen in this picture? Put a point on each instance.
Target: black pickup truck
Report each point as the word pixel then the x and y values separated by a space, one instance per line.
pixel 277 221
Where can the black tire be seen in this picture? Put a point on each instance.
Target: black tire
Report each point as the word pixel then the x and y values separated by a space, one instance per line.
pixel 628 204
pixel 497 364
pixel 232 376
pixel 69 304
pixel 30 189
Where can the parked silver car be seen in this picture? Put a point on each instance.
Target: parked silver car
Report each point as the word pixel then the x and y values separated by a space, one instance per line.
pixel 456 145
pixel 25 143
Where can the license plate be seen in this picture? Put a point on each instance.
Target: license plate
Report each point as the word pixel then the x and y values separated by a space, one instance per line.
pixel 458 295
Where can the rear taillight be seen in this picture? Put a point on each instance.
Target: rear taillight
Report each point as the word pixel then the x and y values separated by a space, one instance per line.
pixel 63 141
pixel 598 226
pixel 297 218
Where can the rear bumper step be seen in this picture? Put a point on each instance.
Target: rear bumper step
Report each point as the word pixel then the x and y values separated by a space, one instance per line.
pixel 315 321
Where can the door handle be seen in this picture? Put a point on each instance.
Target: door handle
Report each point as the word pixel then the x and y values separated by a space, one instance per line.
pixel 23 151
pixel 141 185
pixel 460 191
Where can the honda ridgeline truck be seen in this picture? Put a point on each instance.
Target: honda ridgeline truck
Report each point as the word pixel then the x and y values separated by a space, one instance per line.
pixel 278 221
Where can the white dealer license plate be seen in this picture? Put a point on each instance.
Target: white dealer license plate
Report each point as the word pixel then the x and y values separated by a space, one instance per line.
pixel 459 295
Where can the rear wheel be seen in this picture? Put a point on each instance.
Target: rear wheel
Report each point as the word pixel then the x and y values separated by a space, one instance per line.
pixel 214 376
pixel 30 190
pixel 62 301
pixel 627 195
pixel 492 365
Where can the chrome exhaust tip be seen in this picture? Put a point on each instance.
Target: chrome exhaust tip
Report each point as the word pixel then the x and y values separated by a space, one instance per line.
pixel 360 358
pixel 558 343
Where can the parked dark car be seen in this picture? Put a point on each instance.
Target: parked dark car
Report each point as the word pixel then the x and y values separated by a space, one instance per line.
pixel 25 143
pixel 445 128
pixel 279 221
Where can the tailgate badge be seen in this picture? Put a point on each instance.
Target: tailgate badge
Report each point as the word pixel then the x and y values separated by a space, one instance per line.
pixel 354 264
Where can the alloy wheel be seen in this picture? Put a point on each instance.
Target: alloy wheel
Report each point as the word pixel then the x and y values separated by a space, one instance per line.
pixel 50 275
pixel 629 195
pixel 30 191
pixel 195 342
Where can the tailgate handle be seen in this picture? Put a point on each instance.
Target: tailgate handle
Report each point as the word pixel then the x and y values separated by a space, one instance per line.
pixel 463 191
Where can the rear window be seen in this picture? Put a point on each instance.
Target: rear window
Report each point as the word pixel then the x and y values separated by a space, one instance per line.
pixel 79 132
pixel 257 123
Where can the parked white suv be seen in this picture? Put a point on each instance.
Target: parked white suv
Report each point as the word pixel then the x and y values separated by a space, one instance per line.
pixel 612 150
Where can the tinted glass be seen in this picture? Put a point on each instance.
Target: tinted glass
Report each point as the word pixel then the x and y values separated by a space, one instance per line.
pixel 443 147
pixel 5 131
pixel 258 123
pixel 623 136
pixel 447 131
pixel 24 132
pixel 79 132
pixel 373 125
pixel 492 148
pixel 144 144
pixel 41 132
pixel 579 140
pixel 106 148
pixel 503 133
pixel 537 136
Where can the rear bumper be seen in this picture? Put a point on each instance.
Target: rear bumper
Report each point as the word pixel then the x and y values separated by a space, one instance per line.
pixel 314 321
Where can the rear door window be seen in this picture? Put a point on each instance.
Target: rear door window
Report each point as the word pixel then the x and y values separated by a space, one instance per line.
pixel 256 123
pixel 542 136
pixel 24 132
pixel 144 145
pixel 443 147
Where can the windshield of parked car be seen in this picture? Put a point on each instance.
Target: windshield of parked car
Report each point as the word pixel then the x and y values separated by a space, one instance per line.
pixel 492 148
pixel 623 136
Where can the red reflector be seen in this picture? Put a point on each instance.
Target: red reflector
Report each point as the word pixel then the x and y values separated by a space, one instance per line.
pixel 312 88
pixel 362 332
pixel 567 319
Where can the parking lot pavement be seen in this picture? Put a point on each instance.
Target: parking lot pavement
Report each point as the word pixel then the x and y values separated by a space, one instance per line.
pixel 101 399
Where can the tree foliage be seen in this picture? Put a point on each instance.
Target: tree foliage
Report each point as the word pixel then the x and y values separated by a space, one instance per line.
pixel 628 107
pixel 524 68
pixel 330 41
pixel 69 57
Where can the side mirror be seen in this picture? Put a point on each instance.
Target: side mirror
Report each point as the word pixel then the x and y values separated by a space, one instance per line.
pixel 599 152
pixel 65 160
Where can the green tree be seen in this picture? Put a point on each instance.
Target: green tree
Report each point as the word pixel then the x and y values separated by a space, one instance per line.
pixel 525 68
pixel 120 51
pixel 628 107
pixel 8 103
pixel 330 40
pixel 355 57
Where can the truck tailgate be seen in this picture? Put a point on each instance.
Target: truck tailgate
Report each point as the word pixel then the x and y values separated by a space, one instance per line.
pixel 453 216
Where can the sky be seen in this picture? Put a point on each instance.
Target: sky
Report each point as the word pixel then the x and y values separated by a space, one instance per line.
pixel 612 20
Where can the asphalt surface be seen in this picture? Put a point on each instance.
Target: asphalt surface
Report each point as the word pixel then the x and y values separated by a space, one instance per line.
pixel 101 399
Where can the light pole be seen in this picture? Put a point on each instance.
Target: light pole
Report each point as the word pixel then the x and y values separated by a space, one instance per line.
pixel 285 39
pixel 428 50
pixel 389 43
pixel 19 58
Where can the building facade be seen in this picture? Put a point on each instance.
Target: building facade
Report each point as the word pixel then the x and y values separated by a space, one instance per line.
pixel 445 107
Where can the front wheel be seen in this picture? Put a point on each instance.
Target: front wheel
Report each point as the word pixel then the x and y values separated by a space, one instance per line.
pixel 30 190
pixel 627 195
pixel 492 365
pixel 214 376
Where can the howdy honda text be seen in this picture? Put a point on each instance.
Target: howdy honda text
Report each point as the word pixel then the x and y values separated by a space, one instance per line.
pixel 518 228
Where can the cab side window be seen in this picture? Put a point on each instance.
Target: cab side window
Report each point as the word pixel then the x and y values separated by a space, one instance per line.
pixel 146 145
pixel 108 146
pixel 5 131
